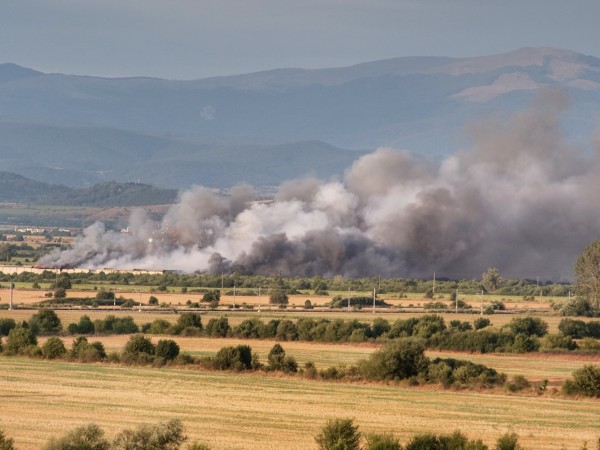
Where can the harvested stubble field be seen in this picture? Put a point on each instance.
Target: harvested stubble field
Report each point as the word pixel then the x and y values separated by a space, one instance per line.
pixel 254 411
pixel 535 366
pixel 24 295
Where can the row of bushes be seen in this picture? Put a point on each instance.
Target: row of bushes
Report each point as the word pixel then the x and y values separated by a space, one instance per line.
pixel 343 434
pixel 520 335
pixel 336 434
pixel 403 359
pixel 398 360
pixel 162 436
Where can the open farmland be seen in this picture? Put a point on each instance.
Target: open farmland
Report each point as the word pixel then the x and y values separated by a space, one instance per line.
pixel 534 366
pixel 232 411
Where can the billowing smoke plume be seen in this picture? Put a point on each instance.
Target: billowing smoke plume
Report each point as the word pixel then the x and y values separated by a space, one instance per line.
pixel 521 198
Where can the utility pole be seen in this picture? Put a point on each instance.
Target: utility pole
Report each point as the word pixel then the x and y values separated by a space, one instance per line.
pixel 234 295
pixel 349 295
pixel 374 295
pixel 10 306
pixel 481 304
pixel 259 299
pixel 456 302
pixel 140 294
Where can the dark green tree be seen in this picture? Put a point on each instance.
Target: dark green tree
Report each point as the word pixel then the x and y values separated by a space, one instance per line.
pixel 46 321
pixel 382 442
pixel 87 437
pixel 278 297
pixel 490 280
pixel 53 348
pixel 189 320
pixel 339 434
pixel 19 338
pixel 139 343
pixel 398 360
pixel 163 436
pixel 167 349
pixel 587 274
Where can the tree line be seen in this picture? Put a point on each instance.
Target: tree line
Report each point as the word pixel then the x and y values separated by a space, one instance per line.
pixel 400 359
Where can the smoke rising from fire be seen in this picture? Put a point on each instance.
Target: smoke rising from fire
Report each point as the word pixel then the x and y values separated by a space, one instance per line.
pixel 521 198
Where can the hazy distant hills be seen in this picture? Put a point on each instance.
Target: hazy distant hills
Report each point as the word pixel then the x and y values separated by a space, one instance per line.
pixel 266 127
pixel 15 188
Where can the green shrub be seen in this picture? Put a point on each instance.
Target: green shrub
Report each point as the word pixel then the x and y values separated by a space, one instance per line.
pixel 449 371
pixel 116 325
pixel 278 297
pixel 189 320
pixel 218 327
pixel 250 329
pixel 576 329
pixel 286 331
pixel 397 360
pixel 212 296
pixel 589 344
pixel 53 348
pixel 6 325
pixel 481 322
pixel 153 300
pixel 525 344
pixel 586 381
pixel 18 339
pixel 529 326
pixel 454 441
pixel 167 349
pixel 87 437
pixel 197 446
pixel 85 326
pixel 557 342
pixel 382 442
pixel 163 436
pixel 518 383
pixel 379 327
pixel 457 325
pixel 278 361
pixel 6 443
pixel 428 325
pixel 139 349
pixel 403 328
pixel 339 434
pixel 234 358
pixel 46 322
pixel 508 441
pixel 103 294
pixel 158 326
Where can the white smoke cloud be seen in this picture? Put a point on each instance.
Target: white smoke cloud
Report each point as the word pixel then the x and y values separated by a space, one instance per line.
pixel 521 198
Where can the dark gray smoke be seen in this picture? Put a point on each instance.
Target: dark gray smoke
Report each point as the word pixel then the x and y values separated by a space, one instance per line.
pixel 522 199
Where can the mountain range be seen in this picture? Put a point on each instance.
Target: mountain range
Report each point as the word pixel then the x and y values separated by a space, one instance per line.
pixel 267 127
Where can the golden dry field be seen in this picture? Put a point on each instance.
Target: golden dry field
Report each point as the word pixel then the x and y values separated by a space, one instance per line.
pixel 42 399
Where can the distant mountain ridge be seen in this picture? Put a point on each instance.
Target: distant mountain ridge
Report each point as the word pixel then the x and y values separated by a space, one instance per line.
pixel 266 127
pixel 18 189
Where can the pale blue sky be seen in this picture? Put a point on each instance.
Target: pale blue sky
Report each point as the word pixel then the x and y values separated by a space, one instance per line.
pixel 187 39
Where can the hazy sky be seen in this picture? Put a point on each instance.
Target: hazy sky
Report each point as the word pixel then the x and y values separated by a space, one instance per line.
pixel 186 39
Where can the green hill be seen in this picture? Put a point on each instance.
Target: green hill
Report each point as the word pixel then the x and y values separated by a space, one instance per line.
pixel 18 189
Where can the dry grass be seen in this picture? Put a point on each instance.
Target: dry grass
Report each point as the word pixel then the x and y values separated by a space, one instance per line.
pixel 534 366
pixel 232 411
